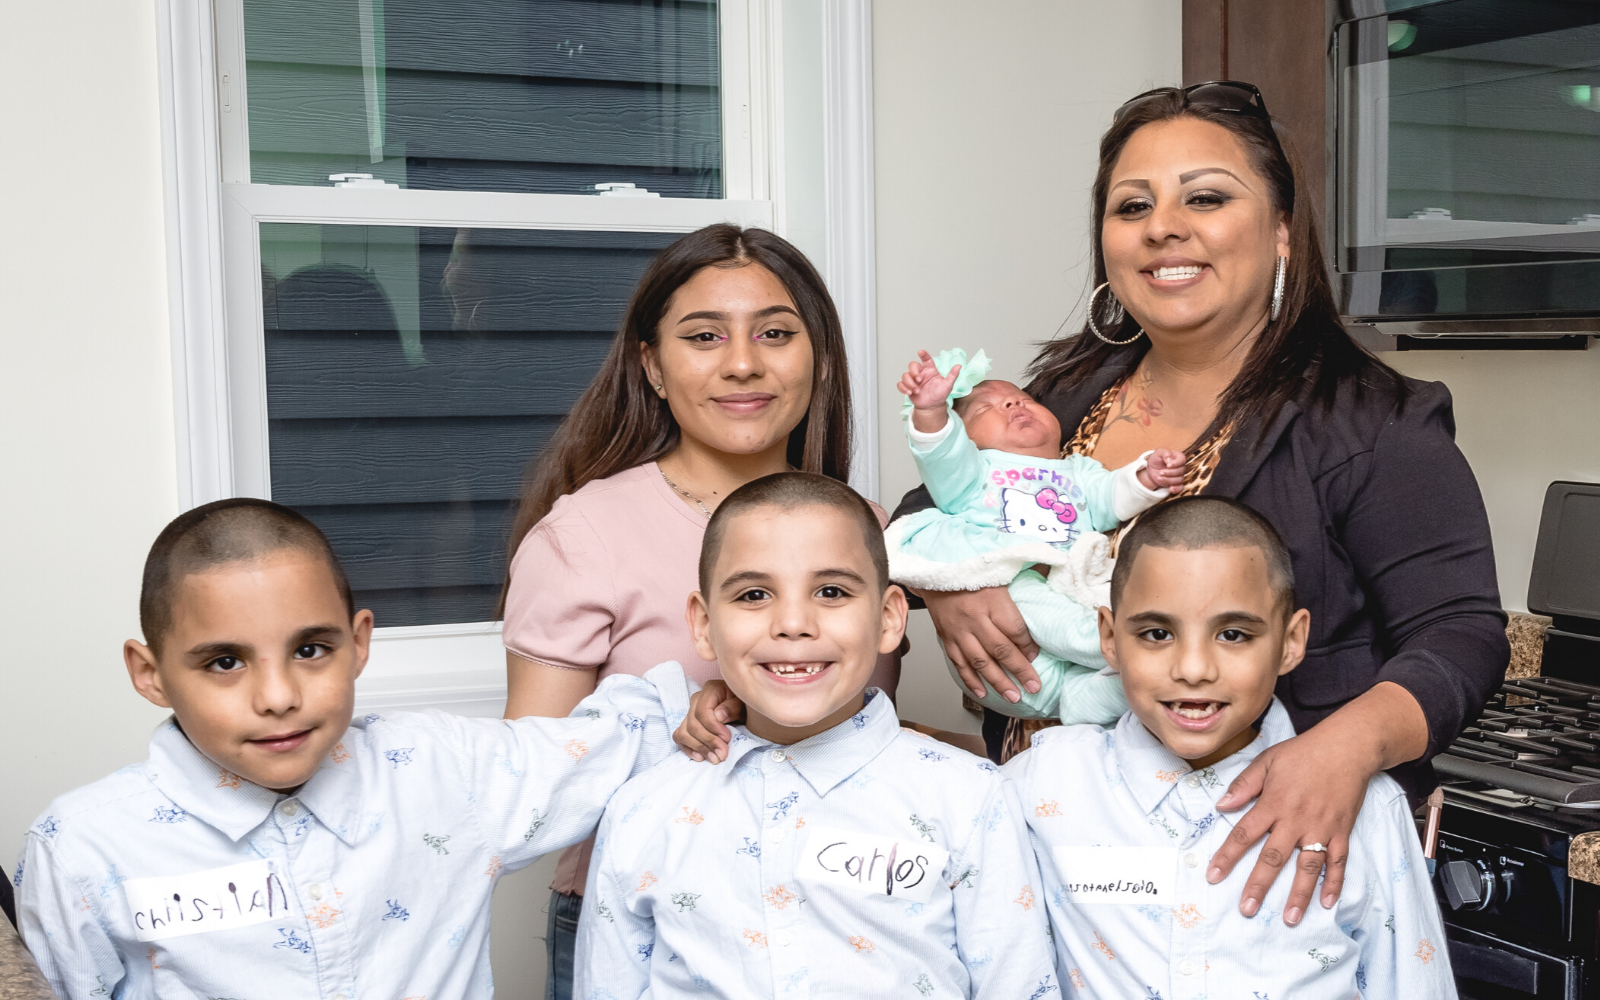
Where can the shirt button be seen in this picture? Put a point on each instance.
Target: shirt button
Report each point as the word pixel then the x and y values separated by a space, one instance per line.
pixel 775 835
pixel 1192 781
pixel 1191 860
pixel 785 939
pixel 338 996
pixel 316 890
pixel 778 756
pixel 289 808
pixel 1187 968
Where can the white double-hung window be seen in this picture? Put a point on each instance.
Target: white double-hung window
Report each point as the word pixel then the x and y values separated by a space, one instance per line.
pixel 404 233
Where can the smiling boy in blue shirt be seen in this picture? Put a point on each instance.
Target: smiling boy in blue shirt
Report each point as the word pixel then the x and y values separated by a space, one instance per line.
pixel 1202 623
pixel 269 848
pixel 830 852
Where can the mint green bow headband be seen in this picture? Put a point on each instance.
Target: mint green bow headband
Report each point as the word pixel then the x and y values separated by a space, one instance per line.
pixel 972 372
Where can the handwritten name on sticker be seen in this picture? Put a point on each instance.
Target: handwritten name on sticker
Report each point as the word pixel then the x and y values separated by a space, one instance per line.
pixel 1100 875
pixel 907 867
pixel 215 900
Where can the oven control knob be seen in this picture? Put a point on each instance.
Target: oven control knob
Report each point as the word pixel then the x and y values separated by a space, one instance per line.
pixel 1468 885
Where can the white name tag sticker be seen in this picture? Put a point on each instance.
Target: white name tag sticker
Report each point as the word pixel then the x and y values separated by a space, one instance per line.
pixel 199 902
pixel 1100 875
pixel 874 863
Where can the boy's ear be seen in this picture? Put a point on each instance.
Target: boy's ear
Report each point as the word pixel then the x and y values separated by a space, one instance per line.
pixel 1295 637
pixel 1108 634
pixel 698 615
pixel 141 661
pixel 895 612
pixel 361 625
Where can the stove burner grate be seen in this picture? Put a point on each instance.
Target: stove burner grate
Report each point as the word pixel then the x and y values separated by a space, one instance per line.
pixel 1539 736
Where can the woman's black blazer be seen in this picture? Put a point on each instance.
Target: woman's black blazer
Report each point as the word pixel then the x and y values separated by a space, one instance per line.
pixel 1390 542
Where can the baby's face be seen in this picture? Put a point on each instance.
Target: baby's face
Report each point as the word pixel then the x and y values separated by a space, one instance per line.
pixel 1000 416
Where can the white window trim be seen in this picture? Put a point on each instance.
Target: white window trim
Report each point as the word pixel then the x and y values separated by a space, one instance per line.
pixel 217 340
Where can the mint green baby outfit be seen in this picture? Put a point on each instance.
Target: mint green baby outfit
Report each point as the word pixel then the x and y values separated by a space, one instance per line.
pixel 997 516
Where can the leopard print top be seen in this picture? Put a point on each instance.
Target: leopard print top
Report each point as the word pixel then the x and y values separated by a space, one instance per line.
pixel 1203 459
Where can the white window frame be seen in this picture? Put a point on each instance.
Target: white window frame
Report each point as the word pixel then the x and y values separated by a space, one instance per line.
pixel 214 215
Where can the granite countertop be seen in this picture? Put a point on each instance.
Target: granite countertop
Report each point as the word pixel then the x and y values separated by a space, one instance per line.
pixel 20 978
pixel 1526 633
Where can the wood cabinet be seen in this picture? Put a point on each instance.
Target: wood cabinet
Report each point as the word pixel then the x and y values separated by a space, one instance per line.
pixel 1281 46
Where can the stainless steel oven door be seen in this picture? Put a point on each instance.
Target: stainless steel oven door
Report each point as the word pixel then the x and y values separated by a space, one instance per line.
pixel 1468 159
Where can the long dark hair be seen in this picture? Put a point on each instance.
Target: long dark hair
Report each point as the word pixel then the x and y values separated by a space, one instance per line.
pixel 620 422
pixel 1305 351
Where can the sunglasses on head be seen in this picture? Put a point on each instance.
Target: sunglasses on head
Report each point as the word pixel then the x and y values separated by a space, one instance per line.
pixel 1228 96
pixel 1231 97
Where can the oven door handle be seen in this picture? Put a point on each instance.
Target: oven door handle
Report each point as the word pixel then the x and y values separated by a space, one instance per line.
pixel 1495 967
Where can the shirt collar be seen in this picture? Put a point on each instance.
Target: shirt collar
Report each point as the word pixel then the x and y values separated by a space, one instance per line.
pixel 1151 771
pixel 334 794
pixel 203 788
pixel 830 757
pixel 211 793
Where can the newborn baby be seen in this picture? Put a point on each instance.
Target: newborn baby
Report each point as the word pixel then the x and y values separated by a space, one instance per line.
pixel 1007 504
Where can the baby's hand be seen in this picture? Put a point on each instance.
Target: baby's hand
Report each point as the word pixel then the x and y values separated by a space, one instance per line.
pixel 924 385
pixel 702 734
pixel 1164 470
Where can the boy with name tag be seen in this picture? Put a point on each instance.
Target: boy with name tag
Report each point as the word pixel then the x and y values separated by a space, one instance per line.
pixel 830 852
pixel 268 848
pixel 1201 626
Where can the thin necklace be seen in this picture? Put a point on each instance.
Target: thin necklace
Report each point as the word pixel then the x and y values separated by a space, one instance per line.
pixel 685 492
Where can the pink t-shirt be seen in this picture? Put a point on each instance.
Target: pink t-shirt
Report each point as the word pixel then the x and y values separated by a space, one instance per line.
pixel 601 583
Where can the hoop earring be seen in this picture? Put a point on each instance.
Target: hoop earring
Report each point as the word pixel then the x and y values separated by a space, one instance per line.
pixel 1277 288
pixel 1118 316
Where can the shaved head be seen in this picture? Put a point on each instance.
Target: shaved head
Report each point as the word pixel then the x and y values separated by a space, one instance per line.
pixel 1202 522
pixel 791 491
pixel 226 531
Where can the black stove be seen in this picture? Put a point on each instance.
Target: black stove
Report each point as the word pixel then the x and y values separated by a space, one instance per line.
pixel 1518 861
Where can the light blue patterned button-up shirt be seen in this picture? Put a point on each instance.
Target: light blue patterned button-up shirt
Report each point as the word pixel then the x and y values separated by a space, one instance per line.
pixel 371 881
pixel 1085 787
pixel 867 861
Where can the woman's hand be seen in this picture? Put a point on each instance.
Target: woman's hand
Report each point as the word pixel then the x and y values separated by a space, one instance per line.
pixel 985 637
pixel 1310 791
pixel 703 734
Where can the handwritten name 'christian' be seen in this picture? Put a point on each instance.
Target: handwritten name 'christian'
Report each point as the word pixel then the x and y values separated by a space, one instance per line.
pixel 215 900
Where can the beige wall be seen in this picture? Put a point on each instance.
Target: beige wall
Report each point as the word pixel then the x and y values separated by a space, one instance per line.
pixel 1523 419
pixel 986 130
pixel 85 391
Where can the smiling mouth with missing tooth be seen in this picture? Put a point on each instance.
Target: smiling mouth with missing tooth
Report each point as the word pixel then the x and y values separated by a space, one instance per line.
pixel 1195 709
pixel 795 669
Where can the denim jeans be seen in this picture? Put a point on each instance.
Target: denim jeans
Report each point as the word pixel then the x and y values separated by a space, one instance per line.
pixel 560 942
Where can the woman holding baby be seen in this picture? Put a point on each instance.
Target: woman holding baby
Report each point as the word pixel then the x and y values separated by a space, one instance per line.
pixel 729 366
pixel 1213 331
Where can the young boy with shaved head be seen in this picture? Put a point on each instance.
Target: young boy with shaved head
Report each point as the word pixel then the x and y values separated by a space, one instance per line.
pixel 268 847
pixel 829 852
pixel 1202 623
